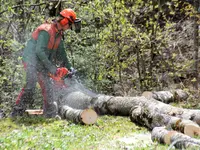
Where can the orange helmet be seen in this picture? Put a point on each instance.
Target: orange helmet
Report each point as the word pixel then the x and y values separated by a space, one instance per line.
pixel 69 15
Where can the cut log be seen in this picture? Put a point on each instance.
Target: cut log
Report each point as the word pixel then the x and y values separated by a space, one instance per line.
pixel 86 116
pixel 167 96
pixel 179 140
pixel 146 116
pixel 105 104
pixel 192 130
pixel 34 111
pixel 150 118
pixel 180 95
pixel 164 96
pixel 147 94
pixel 189 128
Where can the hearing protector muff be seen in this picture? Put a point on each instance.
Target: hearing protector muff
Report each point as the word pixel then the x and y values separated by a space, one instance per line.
pixel 64 21
pixel 76 26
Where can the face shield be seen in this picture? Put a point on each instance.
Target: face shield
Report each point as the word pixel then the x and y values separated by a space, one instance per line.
pixel 76 26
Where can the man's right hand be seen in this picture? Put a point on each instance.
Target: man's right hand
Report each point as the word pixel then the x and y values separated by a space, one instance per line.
pixel 61 72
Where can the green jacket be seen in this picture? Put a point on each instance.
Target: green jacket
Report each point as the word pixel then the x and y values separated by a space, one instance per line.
pixel 37 54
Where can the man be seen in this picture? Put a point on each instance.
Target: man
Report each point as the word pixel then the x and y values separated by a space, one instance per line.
pixel 44 51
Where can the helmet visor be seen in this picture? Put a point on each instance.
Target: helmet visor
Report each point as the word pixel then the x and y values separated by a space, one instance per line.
pixel 77 24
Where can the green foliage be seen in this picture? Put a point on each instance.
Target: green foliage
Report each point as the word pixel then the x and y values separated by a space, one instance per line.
pixel 131 44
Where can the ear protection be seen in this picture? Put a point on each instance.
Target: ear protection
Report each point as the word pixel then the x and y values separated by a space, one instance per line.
pixel 64 21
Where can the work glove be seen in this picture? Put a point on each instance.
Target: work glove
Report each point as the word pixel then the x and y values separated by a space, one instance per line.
pixel 72 70
pixel 60 73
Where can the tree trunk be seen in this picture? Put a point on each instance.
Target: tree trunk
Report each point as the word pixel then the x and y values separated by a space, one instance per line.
pixel 122 106
pixel 105 104
pixel 179 140
pixel 196 44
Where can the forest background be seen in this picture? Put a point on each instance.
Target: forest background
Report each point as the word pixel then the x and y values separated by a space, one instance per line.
pixel 125 47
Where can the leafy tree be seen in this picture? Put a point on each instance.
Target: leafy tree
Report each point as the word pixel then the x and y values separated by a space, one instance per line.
pixel 125 47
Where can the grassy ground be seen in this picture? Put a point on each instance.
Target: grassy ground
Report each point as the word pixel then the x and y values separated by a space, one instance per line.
pixel 109 133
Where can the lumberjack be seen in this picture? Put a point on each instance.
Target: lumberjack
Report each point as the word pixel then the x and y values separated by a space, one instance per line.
pixel 43 53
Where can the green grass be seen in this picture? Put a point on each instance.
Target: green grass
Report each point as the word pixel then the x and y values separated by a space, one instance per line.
pixel 37 133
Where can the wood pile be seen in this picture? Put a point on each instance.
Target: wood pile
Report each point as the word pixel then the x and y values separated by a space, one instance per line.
pixel 152 110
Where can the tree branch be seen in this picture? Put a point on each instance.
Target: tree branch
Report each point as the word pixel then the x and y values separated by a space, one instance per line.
pixel 22 5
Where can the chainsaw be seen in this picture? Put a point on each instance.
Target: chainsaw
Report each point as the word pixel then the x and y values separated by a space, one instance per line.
pixel 58 77
pixel 64 78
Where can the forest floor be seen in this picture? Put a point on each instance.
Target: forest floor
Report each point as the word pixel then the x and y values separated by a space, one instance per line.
pixel 109 133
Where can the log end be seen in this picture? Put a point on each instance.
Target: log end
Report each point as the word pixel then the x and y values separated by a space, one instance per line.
pixel 192 130
pixel 34 111
pixel 89 116
pixel 167 137
pixel 147 94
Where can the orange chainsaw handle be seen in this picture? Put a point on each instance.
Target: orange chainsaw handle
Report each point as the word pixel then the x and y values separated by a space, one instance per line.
pixel 60 73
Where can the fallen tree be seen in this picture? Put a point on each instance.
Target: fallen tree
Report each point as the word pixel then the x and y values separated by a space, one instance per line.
pixel 105 104
pixel 123 105
pixel 153 112
pixel 148 112
pixel 76 98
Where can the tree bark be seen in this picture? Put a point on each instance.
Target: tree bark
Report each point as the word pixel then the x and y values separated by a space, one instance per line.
pixel 179 140
pixel 167 96
pixel 105 104
pixel 146 116
pixel 196 44
pixel 122 106
pixel 86 116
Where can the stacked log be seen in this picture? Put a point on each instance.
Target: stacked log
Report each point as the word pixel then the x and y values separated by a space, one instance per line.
pixel 179 140
pixel 148 112
pixel 167 96
pixel 146 116
pixel 152 113
pixel 189 128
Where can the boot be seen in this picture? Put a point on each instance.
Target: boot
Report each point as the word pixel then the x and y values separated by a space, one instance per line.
pixel 51 110
pixel 17 111
pixel 26 98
